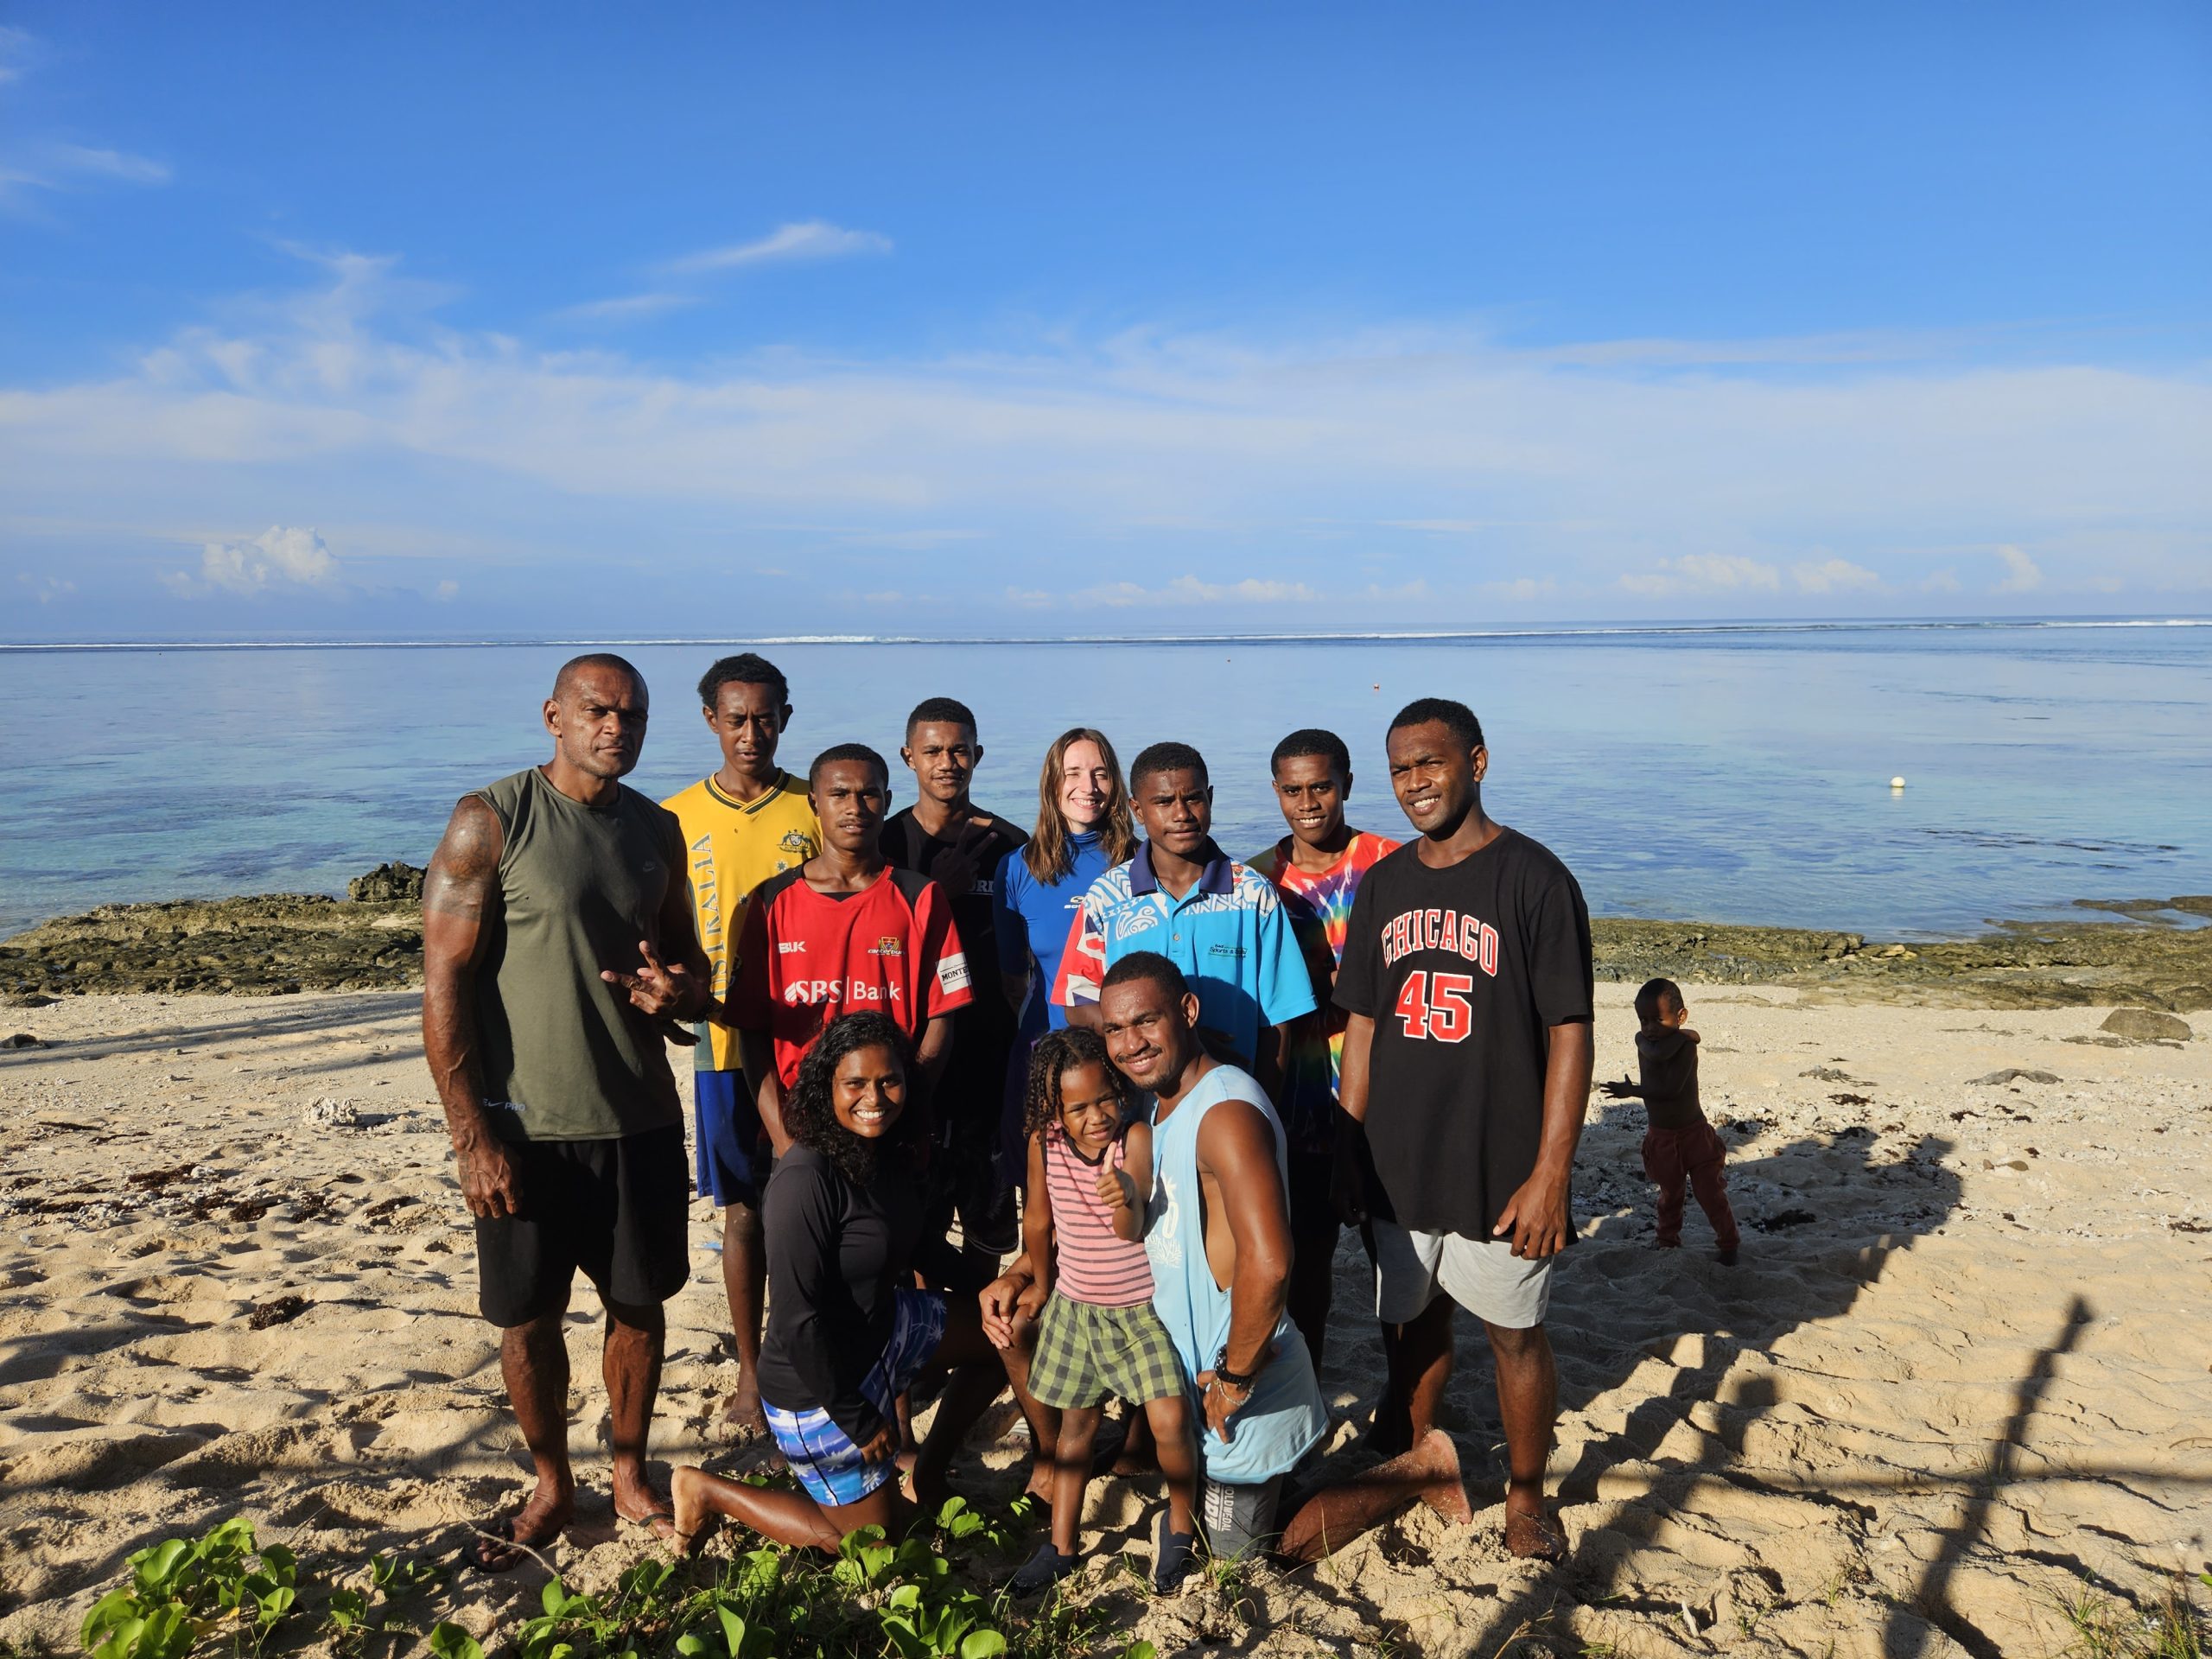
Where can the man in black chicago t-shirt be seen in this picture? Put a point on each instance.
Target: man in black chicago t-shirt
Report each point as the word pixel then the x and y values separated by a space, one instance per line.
pixel 1466 982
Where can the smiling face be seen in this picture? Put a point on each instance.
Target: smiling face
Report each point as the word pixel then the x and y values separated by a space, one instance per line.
pixel 1150 1033
pixel 944 755
pixel 868 1091
pixel 1434 779
pixel 1177 808
pixel 597 717
pixel 747 722
pixel 1086 784
pixel 1310 791
pixel 849 797
pixel 1090 1110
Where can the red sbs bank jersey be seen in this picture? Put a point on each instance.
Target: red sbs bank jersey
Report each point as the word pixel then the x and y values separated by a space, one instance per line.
pixel 805 957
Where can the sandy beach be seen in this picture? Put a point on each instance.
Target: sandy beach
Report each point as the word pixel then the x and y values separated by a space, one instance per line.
pixel 1959 1381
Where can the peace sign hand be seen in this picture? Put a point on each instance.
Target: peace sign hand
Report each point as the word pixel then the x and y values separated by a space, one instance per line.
pixel 654 989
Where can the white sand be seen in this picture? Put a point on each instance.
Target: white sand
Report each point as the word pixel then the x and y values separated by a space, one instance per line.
pixel 1973 1384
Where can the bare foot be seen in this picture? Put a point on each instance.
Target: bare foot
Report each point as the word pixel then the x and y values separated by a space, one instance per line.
pixel 1534 1536
pixel 694 1522
pixel 1438 1457
pixel 742 1412
pixel 501 1544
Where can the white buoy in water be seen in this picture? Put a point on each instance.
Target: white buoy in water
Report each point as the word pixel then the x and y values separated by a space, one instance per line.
pixel 1897 783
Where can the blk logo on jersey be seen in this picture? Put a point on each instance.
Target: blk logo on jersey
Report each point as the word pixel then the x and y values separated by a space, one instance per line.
pixel 1440 929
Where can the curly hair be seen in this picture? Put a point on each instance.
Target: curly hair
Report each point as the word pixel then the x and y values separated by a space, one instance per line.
pixel 810 1116
pixel 1056 1054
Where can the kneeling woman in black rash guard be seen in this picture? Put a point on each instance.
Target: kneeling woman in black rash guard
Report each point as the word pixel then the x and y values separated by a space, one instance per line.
pixel 846 1336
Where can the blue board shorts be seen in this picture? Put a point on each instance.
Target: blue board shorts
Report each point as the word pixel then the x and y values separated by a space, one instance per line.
pixel 829 1466
pixel 727 1142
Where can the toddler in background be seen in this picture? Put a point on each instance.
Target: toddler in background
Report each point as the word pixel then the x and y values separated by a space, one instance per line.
pixel 1089 1178
pixel 1679 1147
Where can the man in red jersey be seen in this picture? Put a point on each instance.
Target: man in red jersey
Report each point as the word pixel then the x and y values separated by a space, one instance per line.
pixel 843 934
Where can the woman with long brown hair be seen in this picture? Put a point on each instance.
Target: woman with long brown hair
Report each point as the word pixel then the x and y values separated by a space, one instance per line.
pixel 1084 830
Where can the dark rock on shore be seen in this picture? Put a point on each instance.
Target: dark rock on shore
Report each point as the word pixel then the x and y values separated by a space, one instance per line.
pixel 387 884
pixel 281 943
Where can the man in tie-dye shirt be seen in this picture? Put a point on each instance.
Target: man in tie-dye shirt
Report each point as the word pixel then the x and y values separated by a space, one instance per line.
pixel 1316 867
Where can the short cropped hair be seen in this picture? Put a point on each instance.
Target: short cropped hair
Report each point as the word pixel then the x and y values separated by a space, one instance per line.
pixel 1312 741
pixel 941 711
pixel 1455 717
pixel 837 751
pixel 747 668
pixel 1151 966
pixel 1661 994
pixel 577 666
pixel 1168 757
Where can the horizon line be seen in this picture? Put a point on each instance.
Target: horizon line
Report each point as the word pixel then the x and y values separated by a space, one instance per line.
pixel 1551 631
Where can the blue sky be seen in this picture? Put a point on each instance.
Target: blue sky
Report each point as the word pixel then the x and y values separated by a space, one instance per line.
pixel 969 319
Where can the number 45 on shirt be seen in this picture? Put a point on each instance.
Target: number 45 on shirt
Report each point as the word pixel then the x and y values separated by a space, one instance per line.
pixel 1434 1005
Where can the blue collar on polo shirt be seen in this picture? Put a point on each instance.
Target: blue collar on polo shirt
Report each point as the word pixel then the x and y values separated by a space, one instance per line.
pixel 1216 877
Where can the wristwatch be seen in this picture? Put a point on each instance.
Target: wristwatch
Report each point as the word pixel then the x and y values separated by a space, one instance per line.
pixel 1240 1380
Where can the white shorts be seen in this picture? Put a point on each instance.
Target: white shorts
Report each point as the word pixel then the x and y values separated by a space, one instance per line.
pixel 1483 1275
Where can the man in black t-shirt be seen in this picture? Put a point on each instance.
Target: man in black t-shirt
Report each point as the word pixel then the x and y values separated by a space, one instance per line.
pixel 947 837
pixel 1466 979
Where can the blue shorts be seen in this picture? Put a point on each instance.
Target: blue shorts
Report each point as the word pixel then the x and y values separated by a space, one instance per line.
pixel 729 1139
pixel 829 1466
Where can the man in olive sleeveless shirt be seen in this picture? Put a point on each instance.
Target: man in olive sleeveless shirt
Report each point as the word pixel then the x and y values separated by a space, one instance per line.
pixel 558 951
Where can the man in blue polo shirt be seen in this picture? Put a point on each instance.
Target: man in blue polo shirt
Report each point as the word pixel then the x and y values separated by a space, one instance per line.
pixel 1221 923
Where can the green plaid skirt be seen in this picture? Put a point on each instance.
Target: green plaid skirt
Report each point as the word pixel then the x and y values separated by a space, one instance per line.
pixel 1085 1353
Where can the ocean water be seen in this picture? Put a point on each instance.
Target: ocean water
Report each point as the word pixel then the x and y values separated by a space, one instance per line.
pixel 1736 774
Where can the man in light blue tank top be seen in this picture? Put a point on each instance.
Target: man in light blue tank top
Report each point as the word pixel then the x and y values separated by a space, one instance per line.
pixel 1219 1201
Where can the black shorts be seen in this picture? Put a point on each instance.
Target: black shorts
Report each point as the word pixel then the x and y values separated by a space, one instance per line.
pixel 617 1209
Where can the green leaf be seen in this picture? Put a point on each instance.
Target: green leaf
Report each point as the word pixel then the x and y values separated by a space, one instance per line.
pixel 154 1571
pixel 110 1610
pixel 1139 1651
pixel 982 1644
pixel 449 1641
pixel 168 1634
pixel 382 1569
pixel 280 1564
pixel 690 1645
pixel 277 1603
pixel 734 1631
pixel 554 1596
pixel 122 1638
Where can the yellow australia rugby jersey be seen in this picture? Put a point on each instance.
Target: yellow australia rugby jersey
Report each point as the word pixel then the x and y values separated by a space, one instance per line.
pixel 734 846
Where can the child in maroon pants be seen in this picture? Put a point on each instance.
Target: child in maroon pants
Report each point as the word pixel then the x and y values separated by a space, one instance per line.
pixel 1679 1147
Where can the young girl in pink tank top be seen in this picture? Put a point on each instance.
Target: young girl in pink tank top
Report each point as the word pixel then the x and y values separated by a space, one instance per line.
pixel 1089 1175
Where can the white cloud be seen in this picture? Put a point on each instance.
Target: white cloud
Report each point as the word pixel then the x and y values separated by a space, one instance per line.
pixel 1522 589
pixel 277 559
pixel 2021 572
pixel 447 590
pixel 107 165
pixel 56 167
pixel 46 589
pixel 1147 454
pixel 1834 576
pixel 1704 573
pixel 628 307
pixel 813 239
pixel 1183 590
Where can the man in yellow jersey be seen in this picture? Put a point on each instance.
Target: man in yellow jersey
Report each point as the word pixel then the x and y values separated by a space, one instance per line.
pixel 746 823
